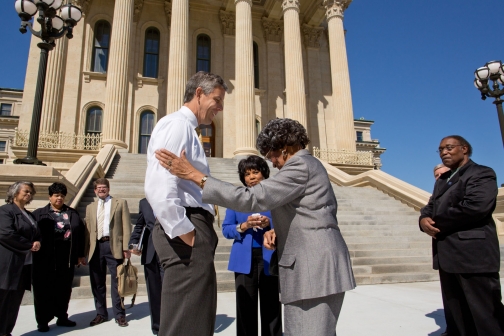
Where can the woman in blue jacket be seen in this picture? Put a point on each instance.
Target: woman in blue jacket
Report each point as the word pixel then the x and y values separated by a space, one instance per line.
pixel 250 260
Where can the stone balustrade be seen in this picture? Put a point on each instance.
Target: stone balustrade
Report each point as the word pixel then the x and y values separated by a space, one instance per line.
pixel 60 140
pixel 334 156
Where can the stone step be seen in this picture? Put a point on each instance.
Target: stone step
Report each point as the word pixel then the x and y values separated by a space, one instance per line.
pixel 390 253
pixel 372 279
pixel 396 260
pixel 386 239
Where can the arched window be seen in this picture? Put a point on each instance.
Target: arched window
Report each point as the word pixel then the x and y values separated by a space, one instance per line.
pixel 203 50
pixel 256 65
pixel 151 53
pixel 94 119
pixel 146 127
pixel 101 46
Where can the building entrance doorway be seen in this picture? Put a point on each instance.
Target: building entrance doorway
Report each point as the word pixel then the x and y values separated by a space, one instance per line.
pixel 208 139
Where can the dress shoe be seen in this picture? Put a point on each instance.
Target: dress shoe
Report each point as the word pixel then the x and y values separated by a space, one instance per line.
pixel 43 327
pixel 121 321
pixel 65 323
pixel 97 320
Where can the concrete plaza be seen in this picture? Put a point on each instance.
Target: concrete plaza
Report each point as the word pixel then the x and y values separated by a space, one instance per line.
pixel 374 310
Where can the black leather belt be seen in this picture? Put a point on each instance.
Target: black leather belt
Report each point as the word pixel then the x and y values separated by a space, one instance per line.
pixel 104 239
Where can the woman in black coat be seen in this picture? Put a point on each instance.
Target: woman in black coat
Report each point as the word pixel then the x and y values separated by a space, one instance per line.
pixel 18 239
pixel 62 232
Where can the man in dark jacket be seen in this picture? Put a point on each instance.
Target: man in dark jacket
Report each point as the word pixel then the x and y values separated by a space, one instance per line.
pixel 153 270
pixel 465 246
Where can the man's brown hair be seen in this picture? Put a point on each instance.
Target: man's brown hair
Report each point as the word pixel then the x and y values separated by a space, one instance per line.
pixel 101 180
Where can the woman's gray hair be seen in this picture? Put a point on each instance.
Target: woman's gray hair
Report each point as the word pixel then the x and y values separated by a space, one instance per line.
pixel 206 81
pixel 279 133
pixel 15 188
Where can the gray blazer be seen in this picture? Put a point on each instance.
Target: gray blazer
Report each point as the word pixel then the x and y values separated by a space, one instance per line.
pixel 313 257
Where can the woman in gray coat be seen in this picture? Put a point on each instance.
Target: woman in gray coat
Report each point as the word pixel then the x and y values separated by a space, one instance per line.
pixel 314 263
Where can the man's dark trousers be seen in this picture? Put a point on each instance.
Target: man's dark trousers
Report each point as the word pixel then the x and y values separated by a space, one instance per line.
pixel 101 260
pixel 189 299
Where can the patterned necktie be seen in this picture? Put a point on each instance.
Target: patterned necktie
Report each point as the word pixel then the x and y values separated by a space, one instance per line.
pixel 101 219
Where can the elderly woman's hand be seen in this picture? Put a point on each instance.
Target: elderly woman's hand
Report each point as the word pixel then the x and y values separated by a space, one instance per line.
pixel 269 240
pixel 179 166
pixel 35 246
pixel 264 222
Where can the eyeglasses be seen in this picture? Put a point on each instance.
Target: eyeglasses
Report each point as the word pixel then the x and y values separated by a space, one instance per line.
pixel 449 148
pixel 267 157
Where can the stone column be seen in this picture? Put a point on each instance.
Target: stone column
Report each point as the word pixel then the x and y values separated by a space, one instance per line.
pixel 342 95
pixel 116 97
pixel 244 62
pixel 177 61
pixel 273 32
pixel 51 108
pixel 294 75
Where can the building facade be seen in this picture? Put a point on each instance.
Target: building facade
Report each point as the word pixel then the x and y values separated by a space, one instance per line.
pixel 128 62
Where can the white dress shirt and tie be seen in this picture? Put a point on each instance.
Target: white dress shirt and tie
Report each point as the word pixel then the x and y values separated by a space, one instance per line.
pixel 189 287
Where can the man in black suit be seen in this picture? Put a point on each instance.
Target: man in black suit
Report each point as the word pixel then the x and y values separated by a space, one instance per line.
pixel 153 270
pixel 465 246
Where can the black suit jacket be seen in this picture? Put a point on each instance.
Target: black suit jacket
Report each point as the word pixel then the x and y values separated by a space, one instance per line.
pixel 17 235
pixel 462 209
pixel 46 255
pixel 145 218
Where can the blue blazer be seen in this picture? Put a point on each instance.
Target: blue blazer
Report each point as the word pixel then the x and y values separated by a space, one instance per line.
pixel 240 260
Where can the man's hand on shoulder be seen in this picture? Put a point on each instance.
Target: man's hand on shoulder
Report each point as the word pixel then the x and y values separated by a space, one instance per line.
pixel 188 237
pixel 427 225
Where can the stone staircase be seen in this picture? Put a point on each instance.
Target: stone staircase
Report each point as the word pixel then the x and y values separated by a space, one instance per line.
pixel 382 234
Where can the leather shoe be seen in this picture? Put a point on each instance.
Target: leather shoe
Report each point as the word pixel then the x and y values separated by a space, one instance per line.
pixel 43 328
pixel 97 320
pixel 121 321
pixel 65 323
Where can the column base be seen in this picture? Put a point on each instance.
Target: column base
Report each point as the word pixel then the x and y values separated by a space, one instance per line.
pixel 117 143
pixel 244 152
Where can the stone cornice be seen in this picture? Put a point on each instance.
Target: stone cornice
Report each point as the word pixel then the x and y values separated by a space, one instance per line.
pixel 273 29
pixel 83 5
pixel 335 8
pixel 312 36
pixel 137 11
pixel 290 4
pixel 228 22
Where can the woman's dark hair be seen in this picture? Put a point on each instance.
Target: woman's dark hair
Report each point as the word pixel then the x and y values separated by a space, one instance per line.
pixel 253 162
pixel 462 141
pixel 57 188
pixel 279 133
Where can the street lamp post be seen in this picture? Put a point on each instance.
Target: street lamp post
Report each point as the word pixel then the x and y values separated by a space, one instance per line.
pixel 52 27
pixel 492 71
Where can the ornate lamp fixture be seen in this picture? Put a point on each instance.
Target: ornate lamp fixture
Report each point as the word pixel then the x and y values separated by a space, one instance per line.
pixel 52 27
pixel 492 71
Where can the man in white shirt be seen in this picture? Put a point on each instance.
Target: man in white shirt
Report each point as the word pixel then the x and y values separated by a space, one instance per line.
pixel 108 230
pixel 183 236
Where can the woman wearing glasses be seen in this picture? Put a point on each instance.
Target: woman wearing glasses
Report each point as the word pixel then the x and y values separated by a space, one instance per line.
pixel 19 238
pixel 314 263
pixel 62 232
pixel 250 260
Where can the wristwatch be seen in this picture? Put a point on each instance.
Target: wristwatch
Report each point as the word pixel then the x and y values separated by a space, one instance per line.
pixel 238 228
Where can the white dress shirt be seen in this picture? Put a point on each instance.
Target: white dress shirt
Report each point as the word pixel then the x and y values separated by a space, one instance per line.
pixel 166 193
pixel 106 218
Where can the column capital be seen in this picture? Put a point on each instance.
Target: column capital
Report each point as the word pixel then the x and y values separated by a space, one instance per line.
pixel 312 36
pixel 137 10
pixel 83 5
pixel 247 1
pixel 273 29
pixel 290 4
pixel 335 8
pixel 228 22
pixel 167 9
